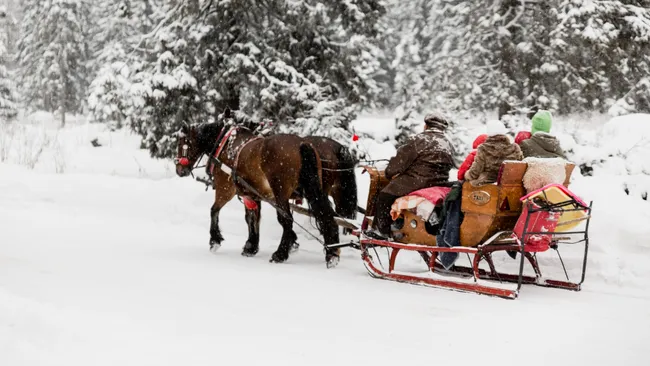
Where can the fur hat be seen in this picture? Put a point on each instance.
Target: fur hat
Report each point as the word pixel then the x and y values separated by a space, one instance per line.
pixel 496 127
pixel 436 120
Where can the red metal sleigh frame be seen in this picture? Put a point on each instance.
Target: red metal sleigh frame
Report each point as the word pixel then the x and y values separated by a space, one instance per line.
pixel 475 279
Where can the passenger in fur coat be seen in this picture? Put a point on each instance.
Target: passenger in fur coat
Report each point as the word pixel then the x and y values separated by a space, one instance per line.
pixel 491 154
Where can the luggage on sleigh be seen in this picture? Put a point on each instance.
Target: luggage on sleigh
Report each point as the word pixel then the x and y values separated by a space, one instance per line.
pixel 497 218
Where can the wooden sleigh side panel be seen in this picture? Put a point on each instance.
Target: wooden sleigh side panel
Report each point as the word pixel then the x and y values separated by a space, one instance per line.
pixel 378 181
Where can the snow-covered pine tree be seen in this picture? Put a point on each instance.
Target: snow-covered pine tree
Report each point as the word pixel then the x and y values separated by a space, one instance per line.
pixel 603 48
pixel 114 30
pixel 433 63
pixel 119 51
pixel 307 67
pixel 9 26
pixel 410 34
pixel 53 52
pixel 8 108
pixel 560 55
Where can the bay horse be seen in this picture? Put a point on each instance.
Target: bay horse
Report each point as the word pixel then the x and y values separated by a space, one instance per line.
pixel 257 168
pixel 339 179
pixel 338 164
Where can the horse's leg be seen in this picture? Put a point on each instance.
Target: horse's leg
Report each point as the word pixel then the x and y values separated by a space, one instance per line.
pixel 253 216
pixel 289 237
pixel 223 193
pixel 319 203
pixel 337 195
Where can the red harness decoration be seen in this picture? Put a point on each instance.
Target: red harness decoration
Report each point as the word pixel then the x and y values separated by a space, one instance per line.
pixel 249 203
pixel 223 141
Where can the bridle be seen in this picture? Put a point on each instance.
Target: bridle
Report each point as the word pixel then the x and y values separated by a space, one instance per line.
pixel 184 160
pixel 228 130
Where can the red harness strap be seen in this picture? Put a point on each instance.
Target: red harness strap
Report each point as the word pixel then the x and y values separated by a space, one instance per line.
pixel 223 141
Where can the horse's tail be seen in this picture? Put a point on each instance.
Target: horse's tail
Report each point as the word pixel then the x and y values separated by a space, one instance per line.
pixel 348 183
pixel 319 204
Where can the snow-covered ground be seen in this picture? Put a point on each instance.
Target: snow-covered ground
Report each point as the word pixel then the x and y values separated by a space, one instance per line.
pixel 104 260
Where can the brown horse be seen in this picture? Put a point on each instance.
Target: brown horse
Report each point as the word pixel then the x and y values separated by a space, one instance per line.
pixel 339 180
pixel 258 168
pixel 338 164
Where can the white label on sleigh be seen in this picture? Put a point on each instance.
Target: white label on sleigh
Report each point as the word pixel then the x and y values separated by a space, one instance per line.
pixel 479 198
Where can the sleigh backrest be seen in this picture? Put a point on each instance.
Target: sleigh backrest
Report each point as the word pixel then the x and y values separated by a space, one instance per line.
pixel 513 171
pixel 495 207
pixel 378 181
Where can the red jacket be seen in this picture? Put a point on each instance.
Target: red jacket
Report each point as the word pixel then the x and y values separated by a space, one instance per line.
pixel 464 167
pixel 521 136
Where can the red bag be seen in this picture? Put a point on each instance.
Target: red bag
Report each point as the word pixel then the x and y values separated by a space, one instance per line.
pixel 540 221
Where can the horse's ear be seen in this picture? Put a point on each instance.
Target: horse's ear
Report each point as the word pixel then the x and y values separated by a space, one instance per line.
pixel 227 114
pixel 185 128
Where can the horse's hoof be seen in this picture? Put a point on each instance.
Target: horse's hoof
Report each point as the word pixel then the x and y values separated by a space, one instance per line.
pixel 294 247
pixel 278 258
pixel 333 261
pixel 214 246
pixel 250 250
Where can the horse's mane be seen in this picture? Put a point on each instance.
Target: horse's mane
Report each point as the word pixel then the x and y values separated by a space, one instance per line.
pixel 207 134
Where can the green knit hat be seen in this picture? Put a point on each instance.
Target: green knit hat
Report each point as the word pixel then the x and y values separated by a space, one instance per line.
pixel 542 121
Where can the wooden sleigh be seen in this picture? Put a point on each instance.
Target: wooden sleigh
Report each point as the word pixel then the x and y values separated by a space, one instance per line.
pixel 491 214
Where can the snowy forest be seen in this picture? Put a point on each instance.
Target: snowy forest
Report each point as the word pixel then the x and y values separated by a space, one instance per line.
pixel 312 66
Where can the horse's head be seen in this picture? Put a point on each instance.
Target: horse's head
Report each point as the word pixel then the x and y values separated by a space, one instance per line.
pixel 189 150
pixel 193 142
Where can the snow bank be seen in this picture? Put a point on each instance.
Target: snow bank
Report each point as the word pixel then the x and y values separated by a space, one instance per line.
pixel 620 148
pixel 103 265
pixel 38 142
pixel 380 127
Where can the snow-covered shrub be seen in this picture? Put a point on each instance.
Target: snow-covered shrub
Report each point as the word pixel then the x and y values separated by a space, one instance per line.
pixel 28 144
pixel 621 147
pixel 109 100
pixel 636 101
pixel 6 140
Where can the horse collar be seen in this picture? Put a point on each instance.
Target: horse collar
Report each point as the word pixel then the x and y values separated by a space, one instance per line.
pixel 222 140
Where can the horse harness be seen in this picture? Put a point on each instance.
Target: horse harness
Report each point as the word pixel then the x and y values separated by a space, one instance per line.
pixel 214 159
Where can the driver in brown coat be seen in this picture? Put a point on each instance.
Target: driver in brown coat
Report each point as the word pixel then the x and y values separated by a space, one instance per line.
pixel 423 161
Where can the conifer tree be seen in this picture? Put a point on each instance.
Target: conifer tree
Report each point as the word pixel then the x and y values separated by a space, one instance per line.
pixel 53 54
pixel 308 68
pixel 8 108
